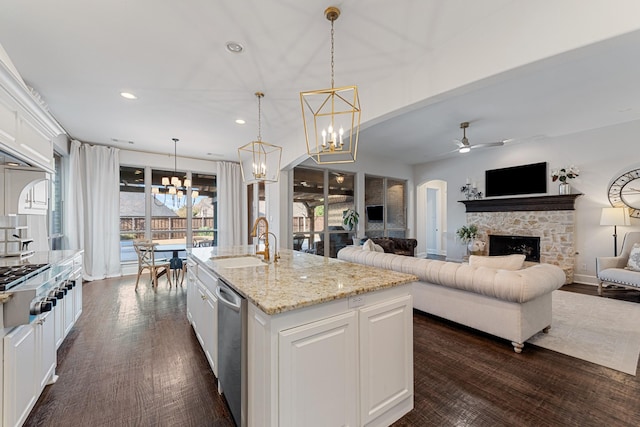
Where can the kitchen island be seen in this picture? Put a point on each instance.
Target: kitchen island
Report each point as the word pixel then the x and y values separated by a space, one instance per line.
pixel 327 342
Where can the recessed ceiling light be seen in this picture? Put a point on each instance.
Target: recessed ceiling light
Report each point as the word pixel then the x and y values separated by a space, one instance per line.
pixel 128 95
pixel 240 121
pixel 234 47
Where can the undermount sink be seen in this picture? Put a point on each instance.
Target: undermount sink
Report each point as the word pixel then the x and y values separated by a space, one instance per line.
pixel 238 262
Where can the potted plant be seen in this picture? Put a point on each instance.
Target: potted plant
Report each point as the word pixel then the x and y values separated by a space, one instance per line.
pixel 468 234
pixel 563 175
pixel 350 219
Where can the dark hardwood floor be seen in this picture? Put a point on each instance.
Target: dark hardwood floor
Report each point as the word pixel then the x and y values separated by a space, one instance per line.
pixel 133 360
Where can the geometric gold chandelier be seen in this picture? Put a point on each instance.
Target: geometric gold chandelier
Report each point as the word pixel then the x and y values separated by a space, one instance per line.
pixel 259 160
pixel 331 116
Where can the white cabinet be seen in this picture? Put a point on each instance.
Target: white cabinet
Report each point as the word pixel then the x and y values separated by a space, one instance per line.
pixel 386 357
pixel 322 354
pixel 58 317
pixel 20 373
pixel 27 129
pixel 69 313
pixel 8 121
pixel 209 320
pixel 46 348
pixel 192 286
pixel 202 309
pixel 77 299
pixel 34 144
pixel 29 365
pixel 26 191
pixel 30 355
pixel 344 362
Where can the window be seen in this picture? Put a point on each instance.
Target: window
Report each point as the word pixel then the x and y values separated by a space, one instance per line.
pixel 319 198
pixel 255 192
pixel 385 207
pixel 204 218
pixel 56 212
pixel 166 216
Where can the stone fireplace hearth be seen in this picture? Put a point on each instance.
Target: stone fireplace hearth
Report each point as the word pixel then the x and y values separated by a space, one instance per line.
pixel 549 218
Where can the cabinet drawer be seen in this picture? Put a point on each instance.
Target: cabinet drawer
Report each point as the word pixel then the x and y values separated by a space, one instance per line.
pixel 210 280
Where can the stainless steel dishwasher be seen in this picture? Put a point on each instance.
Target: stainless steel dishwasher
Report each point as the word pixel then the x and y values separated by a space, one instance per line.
pixel 232 350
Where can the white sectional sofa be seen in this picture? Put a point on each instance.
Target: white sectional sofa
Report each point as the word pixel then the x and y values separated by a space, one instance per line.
pixel 510 304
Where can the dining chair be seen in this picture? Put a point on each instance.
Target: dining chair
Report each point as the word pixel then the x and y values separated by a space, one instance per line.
pixel 178 268
pixel 147 261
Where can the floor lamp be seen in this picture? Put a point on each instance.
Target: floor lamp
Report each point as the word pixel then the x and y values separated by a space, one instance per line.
pixel 615 217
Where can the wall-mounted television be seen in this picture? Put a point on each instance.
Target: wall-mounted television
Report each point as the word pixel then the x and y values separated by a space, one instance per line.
pixel 375 213
pixel 524 179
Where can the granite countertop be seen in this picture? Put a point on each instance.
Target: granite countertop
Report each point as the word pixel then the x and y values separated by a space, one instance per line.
pixel 298 279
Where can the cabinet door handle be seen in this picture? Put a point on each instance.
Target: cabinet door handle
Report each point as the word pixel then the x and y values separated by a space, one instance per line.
pixel 203 297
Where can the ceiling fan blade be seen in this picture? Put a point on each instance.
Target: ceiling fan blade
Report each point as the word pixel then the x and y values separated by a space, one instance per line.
pixel 488 144
pixel 458 143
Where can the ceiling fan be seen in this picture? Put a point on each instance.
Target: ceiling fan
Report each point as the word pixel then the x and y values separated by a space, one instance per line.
pixel 465 147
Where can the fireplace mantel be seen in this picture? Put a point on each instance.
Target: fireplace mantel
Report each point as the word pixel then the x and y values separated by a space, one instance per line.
pixel 512 204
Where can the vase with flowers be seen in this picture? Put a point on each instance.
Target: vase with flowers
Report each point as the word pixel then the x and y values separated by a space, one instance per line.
pixel 468 234
pixel 564 175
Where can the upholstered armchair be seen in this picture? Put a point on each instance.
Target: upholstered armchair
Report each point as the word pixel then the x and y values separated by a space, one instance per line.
pixel 613 271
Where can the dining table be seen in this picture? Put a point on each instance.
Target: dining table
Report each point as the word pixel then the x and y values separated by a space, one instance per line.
pixel 175 246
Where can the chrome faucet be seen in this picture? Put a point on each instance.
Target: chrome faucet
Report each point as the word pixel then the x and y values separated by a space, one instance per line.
pixel 264 253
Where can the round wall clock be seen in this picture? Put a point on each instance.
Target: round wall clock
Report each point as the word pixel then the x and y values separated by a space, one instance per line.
pixel 625 191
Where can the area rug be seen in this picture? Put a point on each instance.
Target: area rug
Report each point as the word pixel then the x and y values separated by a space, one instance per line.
pixel 599 330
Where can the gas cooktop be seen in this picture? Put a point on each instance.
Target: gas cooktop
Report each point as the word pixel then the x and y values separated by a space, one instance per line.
pixel 15 274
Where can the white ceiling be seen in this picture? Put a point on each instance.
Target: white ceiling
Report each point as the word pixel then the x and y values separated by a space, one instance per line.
pixel 80 55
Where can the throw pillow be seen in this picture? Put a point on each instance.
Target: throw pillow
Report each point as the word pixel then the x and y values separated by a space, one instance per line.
pixel 502 262
pixel 370 246
pixel 634 258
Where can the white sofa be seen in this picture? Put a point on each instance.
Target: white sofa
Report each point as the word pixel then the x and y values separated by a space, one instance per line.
pixel 510 304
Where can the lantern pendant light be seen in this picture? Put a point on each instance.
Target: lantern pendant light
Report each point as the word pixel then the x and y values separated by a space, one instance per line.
pixel 259 160
pixel 331 116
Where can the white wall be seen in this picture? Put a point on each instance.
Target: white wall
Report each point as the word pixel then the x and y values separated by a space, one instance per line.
pixel 166 161
pixel 600 154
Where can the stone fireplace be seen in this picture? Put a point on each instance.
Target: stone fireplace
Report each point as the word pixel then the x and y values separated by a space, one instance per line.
pixel 549 219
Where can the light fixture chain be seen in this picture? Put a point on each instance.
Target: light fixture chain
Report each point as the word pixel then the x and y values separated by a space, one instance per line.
pixel 259 118
pixel 332 49
pixel 175 156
